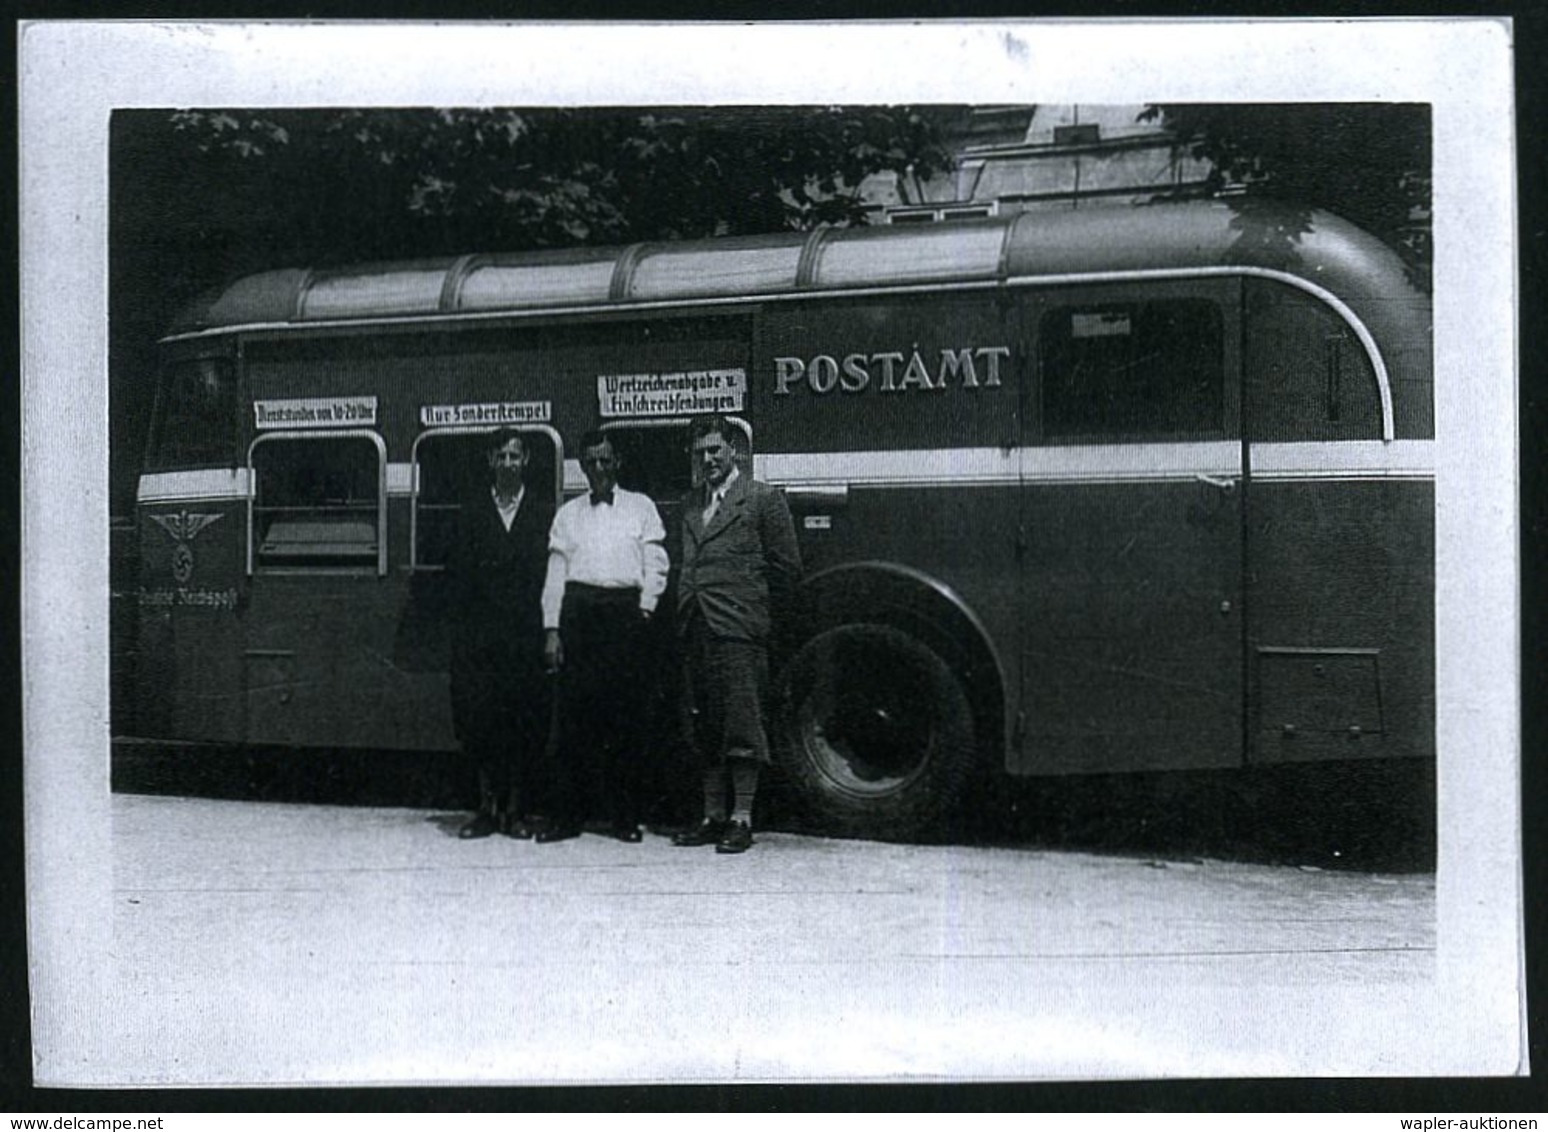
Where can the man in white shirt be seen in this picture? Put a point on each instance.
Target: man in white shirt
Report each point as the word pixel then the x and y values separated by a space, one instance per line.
pixel 607 568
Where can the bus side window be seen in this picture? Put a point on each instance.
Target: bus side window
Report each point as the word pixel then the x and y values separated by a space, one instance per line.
pixel 1133 370
pixel 453 467
pixel 1309 377
pixel 198 415
pixel 317 502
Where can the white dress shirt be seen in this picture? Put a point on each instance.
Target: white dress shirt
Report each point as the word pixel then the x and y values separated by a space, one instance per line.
pixel 508 511
pixel 615 545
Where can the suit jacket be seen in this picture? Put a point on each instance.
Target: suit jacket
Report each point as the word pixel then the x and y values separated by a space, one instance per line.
pixel 741 570
pixel 496 579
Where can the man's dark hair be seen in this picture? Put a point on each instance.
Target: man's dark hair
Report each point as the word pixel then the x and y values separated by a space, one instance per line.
pixel 593 437
pixel 707 424
pixel 503 436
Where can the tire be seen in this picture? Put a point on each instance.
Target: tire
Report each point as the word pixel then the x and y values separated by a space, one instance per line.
pixel 875 735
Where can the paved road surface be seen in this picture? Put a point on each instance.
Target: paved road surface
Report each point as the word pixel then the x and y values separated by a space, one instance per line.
pixel 285 943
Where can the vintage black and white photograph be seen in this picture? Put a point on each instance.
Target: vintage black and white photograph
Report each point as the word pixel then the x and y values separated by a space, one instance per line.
pixel 693 574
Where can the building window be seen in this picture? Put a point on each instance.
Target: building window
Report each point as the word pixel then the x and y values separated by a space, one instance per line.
pixel 918 215
pixel 1088 133
pixel 317 502
pixel 1150 370
pixel 451 468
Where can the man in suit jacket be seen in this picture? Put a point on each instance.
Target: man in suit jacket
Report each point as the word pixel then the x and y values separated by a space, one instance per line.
pixel 500 691
pixel 736 581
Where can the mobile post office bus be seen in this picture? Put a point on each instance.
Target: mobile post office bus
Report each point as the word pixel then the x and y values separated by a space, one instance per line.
pixel 1089 491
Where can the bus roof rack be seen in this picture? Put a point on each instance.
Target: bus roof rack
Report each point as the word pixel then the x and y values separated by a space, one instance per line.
pixel 1024 247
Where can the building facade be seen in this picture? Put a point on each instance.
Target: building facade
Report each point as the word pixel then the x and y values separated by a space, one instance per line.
pixel 1023 157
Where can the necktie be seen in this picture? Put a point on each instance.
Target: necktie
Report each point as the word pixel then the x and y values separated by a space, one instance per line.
pixel 711 507
pixel 602 497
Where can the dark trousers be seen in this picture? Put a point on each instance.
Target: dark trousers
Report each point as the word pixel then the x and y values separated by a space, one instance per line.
pixel 502 700
pixel 603 693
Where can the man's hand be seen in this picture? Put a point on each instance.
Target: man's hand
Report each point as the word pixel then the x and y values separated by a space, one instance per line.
pixel 553 651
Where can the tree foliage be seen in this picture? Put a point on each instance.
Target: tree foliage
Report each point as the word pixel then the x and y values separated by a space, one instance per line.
pixel 324 186
pixel 199 196
pixel 1369 163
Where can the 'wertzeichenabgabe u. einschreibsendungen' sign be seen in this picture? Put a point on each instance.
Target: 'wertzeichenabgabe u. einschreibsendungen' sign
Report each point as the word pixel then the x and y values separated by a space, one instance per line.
pixel 672 394
pixel 315 412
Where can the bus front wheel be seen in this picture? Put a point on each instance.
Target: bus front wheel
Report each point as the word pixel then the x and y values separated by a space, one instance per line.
pixel 876 734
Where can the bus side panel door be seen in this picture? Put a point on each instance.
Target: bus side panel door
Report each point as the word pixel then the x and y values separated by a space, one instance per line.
pixel 1340 548
pixel 1131 532
pixel 287 674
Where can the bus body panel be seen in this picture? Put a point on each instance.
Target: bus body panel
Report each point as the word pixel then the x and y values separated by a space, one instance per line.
pixel 1341 619
pixel 1131 621
pixel 190 597
pixel 1240 573
pixel 321 671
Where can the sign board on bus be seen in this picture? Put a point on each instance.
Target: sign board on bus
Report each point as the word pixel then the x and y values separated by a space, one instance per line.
pixel 315 412
pixel 672 394
pixel 487 413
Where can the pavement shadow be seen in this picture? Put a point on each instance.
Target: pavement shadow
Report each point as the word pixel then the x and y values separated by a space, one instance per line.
pixel 447 824
pixel 1375 816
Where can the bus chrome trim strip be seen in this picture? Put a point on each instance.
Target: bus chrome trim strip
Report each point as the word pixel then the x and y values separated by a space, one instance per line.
pixel 400 479
pixel 834 472
pixel 1344 460
pixel 1099 464
pixel 202 484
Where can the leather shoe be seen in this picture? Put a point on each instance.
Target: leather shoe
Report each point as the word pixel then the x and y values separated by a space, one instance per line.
pixel 737 838
pixel 624 831
pixel 551 833
pixel 707 832
pixel 519 828
pixel 482 825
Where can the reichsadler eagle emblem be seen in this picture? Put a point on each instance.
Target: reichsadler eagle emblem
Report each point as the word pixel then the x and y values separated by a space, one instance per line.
pixel 181 528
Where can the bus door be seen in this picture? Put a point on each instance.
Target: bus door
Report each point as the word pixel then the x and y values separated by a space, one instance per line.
pixel 1131 535
pixel 1340 546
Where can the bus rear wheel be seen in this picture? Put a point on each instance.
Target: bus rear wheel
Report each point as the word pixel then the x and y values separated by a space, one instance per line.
pixel 876 734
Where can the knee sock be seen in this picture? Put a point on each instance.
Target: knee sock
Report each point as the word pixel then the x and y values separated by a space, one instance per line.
pixel 715 794
pixel 744 782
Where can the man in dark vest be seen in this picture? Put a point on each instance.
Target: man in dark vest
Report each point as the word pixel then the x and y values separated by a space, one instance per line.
pixel 736 584
pixel 500 691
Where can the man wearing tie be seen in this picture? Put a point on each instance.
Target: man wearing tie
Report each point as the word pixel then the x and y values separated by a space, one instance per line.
pixel 607 568
pixel 736 585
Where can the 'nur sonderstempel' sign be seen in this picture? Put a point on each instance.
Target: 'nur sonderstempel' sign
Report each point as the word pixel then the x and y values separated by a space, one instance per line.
pixel 671 394
pixel 486 413
pixel 315 412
